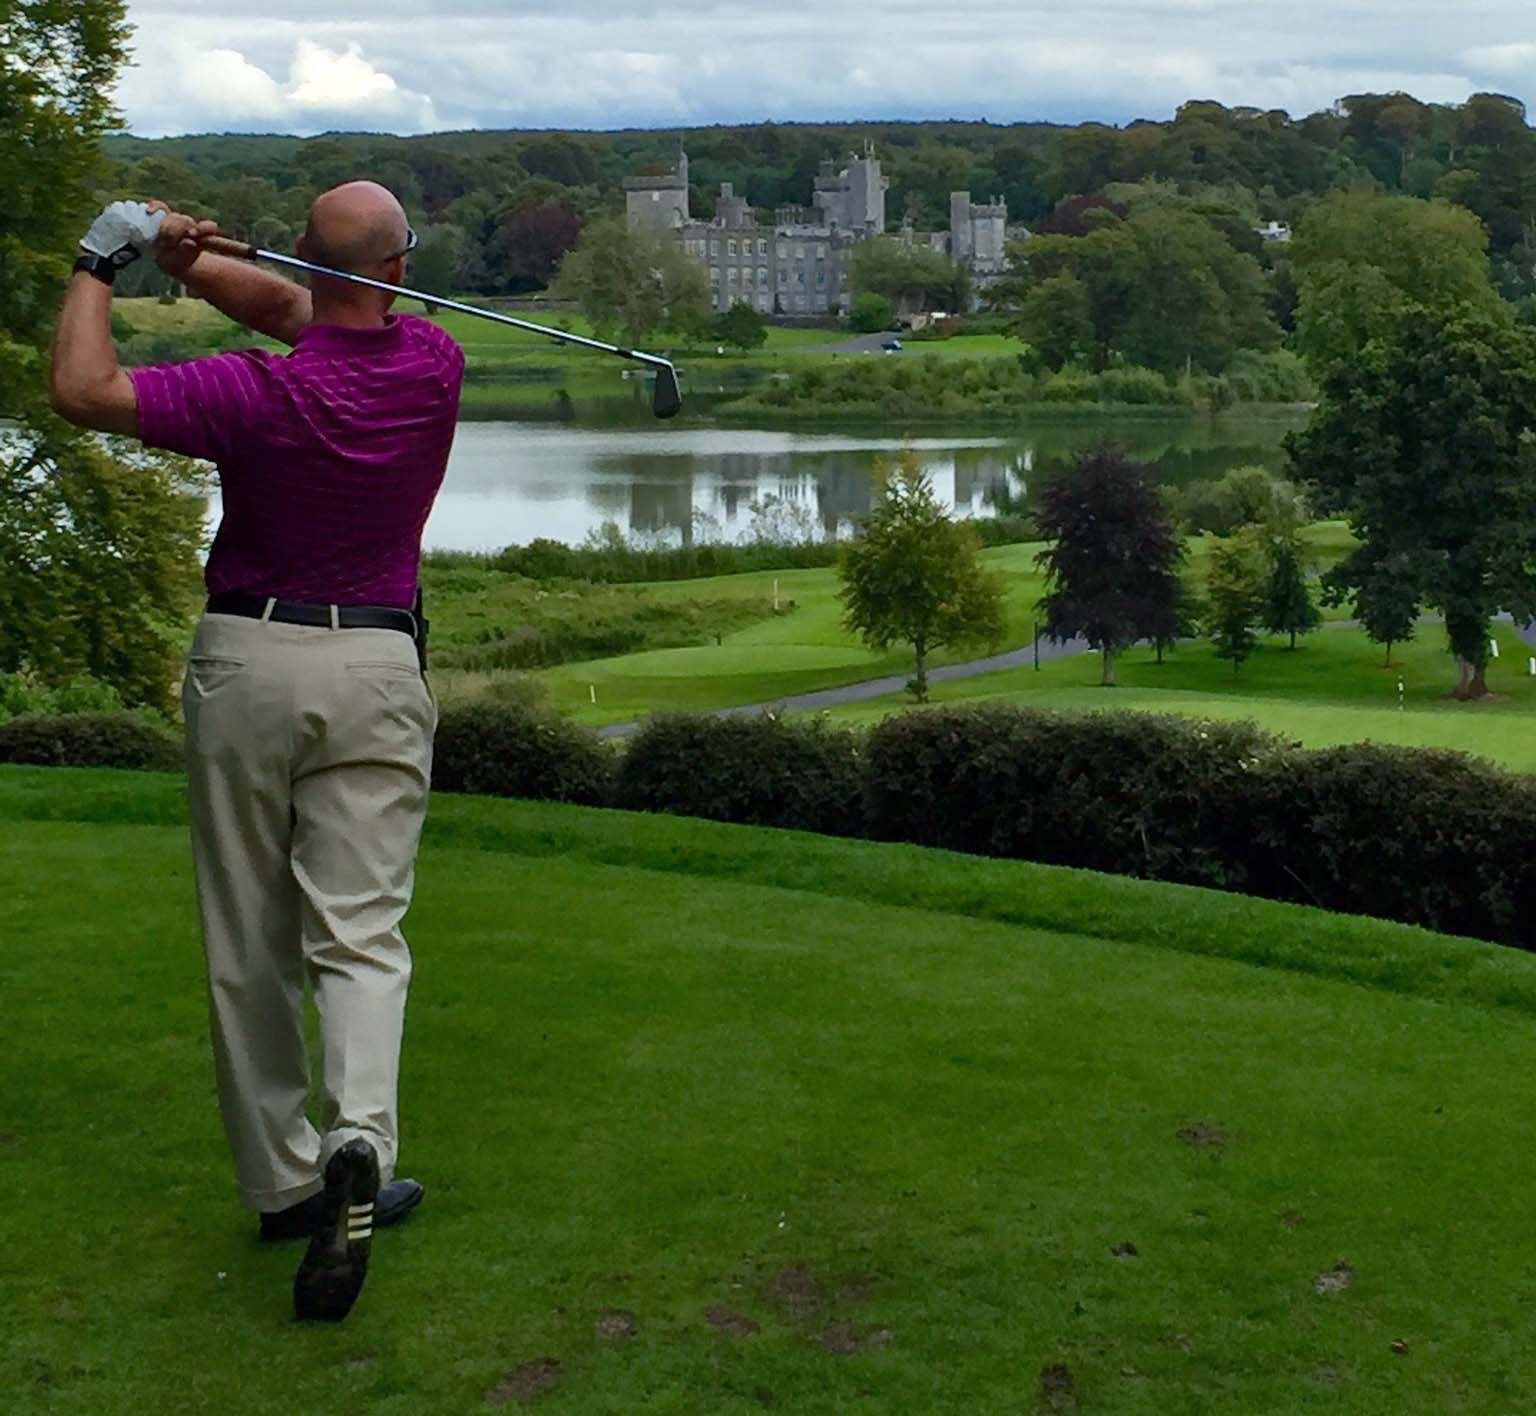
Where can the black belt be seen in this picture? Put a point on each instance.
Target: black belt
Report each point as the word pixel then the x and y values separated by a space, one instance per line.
pixel 321 616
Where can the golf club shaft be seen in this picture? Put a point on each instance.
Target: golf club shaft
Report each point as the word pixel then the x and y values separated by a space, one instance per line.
pixel 241 250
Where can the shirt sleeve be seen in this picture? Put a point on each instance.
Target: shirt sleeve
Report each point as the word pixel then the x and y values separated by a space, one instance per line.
pixel 201 407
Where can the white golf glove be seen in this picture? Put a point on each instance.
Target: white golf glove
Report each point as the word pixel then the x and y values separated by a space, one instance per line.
pixel 122 233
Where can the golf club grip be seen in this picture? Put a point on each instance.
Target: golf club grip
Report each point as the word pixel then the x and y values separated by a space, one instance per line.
pixel 228 246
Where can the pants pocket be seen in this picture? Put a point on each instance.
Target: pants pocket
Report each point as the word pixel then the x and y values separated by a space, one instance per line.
pixel 207 674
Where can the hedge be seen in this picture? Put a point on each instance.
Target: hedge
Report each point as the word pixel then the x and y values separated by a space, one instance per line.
pixel 796 773
pixel 90 740
pixel 1435 839
pixel 1125 793
pixel 519 750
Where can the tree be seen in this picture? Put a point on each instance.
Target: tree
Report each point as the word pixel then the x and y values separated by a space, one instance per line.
pixel 98 563
pixel 1055 320
pixel 531 241
pixel 635 282
pixel 1112 556
pixel 98 545
pixel 911 576
pixel 870 313
pixel 61 60
pixel 1163 288
pixel 437 263
pixel 1362 260
pixel 1426 439
pixel 741 326
pixel 1288 604
pixel 1234 590
pixel 1387 600
pixel 912 278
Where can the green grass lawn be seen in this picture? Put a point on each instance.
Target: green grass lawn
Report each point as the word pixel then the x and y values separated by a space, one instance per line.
pixel 801 652
pixel 1332 689
pixel 888 1114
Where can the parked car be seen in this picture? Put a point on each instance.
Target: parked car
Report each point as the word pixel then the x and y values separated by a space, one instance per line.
pixel 891 346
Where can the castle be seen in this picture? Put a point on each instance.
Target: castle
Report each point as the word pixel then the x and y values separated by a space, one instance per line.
pixel 797 266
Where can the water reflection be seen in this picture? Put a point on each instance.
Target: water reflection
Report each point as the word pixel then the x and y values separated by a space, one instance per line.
pixel 512 481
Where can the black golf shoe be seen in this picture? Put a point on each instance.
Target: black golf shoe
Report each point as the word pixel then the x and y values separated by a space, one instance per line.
pixel 334 1266
pixel 396 1200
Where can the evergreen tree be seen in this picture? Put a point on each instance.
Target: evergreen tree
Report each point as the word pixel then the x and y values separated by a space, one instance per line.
pixel 1288 604
pixel 1235 595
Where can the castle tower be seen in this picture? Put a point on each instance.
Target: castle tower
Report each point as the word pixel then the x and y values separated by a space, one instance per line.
pixel 659 203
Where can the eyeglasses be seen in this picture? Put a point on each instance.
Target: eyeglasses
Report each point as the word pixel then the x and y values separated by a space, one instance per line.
pixel 412 240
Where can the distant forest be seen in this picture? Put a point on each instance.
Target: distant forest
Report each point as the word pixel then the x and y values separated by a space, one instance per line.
pixel 498 210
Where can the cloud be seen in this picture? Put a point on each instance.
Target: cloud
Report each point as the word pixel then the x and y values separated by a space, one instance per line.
pixel 325 88
pixel 410 65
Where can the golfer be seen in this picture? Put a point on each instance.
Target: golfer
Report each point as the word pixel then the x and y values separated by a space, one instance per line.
pixel 308 720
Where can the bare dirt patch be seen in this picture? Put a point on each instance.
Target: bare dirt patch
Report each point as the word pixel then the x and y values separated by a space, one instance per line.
pixel 1126 1250
pixel 526 1383
pixel 1056 1387
pixel 730 1322
pixel 795 1291
pixel 616 1325
pixel 1202 1135
pixel 1335 1280
pixel 1293 1219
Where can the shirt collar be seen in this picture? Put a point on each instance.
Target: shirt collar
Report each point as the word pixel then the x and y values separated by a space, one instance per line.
pixel 339 339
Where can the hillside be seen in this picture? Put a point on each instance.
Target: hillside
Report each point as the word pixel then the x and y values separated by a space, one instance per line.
pixel 718 1119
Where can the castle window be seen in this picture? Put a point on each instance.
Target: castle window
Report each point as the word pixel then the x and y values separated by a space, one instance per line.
pixel 762 246
pixel 714 248
pixel 730 247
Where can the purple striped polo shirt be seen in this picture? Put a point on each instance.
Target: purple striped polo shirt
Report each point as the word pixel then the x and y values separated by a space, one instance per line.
pixel 329 457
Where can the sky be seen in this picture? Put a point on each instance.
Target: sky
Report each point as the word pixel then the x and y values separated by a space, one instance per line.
pixel 404 66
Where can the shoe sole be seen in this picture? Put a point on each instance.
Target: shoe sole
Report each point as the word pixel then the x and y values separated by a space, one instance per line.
pixel 334 1267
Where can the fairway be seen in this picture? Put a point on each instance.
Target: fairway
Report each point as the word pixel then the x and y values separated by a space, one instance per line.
pixel 1333 689
pixel 719 1120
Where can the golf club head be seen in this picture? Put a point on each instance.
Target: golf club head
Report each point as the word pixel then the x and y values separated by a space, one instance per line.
pixel 667 398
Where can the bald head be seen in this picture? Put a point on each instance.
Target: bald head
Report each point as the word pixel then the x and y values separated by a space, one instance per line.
pixel 355 226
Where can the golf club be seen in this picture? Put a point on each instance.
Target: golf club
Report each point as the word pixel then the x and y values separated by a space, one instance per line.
pixel 666 398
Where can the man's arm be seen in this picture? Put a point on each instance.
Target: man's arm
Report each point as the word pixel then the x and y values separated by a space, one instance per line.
pixel 250 296
pixel 86 384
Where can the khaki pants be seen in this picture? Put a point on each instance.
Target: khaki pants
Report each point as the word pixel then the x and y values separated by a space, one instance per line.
pixel 309 756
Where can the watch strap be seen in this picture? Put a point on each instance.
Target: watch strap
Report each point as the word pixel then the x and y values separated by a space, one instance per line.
pixel 102 267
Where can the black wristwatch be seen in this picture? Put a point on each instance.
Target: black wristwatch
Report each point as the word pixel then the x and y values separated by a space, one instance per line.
pixel 102 267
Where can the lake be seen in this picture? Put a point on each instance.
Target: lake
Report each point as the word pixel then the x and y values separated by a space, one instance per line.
pixel 510 481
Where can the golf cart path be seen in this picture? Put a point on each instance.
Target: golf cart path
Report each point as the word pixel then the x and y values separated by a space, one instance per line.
pixel 894 683
pixel 1050 649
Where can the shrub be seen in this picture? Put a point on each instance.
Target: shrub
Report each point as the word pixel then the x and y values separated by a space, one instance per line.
pixel 1127 793
pixel 1136 385
pixel 795 773
pixel 1070 385
pixel 125 740
pixel 514 750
